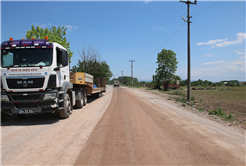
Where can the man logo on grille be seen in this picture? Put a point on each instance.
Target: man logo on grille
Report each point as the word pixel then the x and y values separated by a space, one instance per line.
pixel 24 83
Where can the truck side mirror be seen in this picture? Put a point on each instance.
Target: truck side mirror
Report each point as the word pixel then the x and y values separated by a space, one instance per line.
pixel 64 58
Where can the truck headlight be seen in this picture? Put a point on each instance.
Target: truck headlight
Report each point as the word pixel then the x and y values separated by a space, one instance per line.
pixel 49 96
pixel 4 98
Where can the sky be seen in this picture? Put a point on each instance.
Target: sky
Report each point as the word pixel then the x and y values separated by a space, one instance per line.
pixel 138 30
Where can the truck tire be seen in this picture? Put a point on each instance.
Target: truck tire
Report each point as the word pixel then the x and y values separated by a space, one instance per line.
pixel 18 117
pixel 67 109
pixel 80 103
pixel 85 98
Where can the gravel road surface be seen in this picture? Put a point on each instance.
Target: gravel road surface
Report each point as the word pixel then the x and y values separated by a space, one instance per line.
pixel 124 127
pixel 48 140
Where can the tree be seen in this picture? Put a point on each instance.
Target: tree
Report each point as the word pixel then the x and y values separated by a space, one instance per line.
pixel 183 82
pixel 175 77
pixel 206 82
pixel 194 83
pixel 157 81
pixel 127 80
pixel 91 63
pixel 103 71
pixel 55 34
pixel 200 82
pixel 167 66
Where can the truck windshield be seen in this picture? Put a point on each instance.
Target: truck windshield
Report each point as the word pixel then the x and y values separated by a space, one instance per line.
pixel 26 57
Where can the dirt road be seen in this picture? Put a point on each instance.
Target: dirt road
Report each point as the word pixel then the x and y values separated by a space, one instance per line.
pixel 48 140
pixel 124 127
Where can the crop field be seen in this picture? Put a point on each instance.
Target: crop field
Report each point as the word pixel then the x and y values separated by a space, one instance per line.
pixel 232 100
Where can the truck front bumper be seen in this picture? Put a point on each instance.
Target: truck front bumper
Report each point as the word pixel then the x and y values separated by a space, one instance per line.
pixel 29 103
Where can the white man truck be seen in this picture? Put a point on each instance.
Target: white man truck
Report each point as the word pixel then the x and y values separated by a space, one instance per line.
pixel 35 78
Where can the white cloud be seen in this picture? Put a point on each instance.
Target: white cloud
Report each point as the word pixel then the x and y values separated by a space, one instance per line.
pixel 44 25
pixel 70 28
pixel 214 63
pixel 209 54
pixel 217 71
pixel 224 42
pixel 240 39
pixel 242 57
pixel 211 42
pixel 48 25
pixel 240 53
pixel 147 1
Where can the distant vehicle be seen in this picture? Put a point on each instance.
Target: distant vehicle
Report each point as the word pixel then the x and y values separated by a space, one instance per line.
pixel 174 84
pixel 116 83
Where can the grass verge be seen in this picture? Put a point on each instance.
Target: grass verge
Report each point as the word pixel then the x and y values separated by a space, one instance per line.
pixel 219 112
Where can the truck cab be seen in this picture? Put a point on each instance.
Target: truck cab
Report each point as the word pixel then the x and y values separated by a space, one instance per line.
pixel 35 78
pixel 116 83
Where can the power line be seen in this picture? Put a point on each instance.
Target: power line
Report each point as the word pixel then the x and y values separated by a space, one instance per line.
pixel 171 30
pixel 200 6
pixel 196 14
pixel 163 39
pixel 156 31
pixel 206 8
pixel 160 46
pixel 167 26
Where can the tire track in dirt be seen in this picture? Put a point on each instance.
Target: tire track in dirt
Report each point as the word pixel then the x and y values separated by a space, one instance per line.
pixel 134 132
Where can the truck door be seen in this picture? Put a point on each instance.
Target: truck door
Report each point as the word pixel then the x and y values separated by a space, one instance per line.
pixel 63 73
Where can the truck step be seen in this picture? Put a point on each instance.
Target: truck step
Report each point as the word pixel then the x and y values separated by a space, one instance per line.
pixel 60 108
pixel 61 92
pixel 61 100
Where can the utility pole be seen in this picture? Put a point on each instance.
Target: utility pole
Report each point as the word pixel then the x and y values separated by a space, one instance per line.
pixel 132 68
pixel 122 77
pixel 188 21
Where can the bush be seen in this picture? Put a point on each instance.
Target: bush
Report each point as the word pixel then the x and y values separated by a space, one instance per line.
pixel 229 118
pixel 178 93
pixel 200 109
pixel 182 100
pixel 218 112
pixel 192 98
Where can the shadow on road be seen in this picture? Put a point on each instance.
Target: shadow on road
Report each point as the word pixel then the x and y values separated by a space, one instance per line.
pixel 91 98
pixel 39 119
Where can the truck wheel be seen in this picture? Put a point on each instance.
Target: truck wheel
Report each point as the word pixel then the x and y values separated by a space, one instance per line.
pixel 80 103
pixel 67 110
pixel 18 117
pixel 85 98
